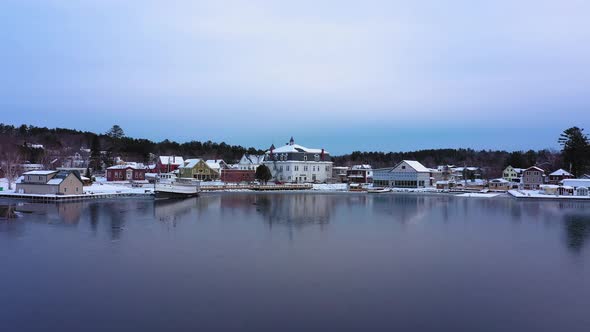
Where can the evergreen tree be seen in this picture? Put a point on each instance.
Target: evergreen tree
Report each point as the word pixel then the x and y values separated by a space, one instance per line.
pixel 116 132
pixel 576 150
pixel 95 161
pixel 263 174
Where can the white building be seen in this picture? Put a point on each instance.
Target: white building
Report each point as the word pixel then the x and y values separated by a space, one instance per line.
pixel 297 164
pixel 406 174
pixel 250 162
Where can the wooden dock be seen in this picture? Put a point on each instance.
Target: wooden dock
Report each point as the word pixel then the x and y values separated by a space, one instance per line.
pixel 69 198
pixel 257 187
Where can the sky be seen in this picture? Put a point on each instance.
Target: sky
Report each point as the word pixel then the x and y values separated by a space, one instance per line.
pixel 342 75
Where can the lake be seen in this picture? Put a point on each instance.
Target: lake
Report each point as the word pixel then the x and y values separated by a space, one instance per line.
pixel 297 262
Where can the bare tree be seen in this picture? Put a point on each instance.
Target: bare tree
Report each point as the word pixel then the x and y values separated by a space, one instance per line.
pixel 11 161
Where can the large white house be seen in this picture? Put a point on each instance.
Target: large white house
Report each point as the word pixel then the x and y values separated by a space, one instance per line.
pixel 250 162
pixel 406 174
pixel 295 163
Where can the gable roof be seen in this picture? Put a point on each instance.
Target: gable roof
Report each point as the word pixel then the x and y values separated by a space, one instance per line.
pixel 418 167
pixel 252 159
pixel 561 172
pixel 190 163
pixel 172 160
pixel 535 168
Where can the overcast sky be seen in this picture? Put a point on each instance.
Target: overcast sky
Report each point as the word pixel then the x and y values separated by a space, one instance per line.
pixel 342 75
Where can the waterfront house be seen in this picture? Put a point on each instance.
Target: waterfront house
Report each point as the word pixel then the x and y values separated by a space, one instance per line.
pixel 298 164
pixel 339 173
pixel 199 169
pixel 360 174
pixel 233 175
pixel 532 178
pixel 576 183
pixel 512 174
pixel 406 174
pixel 559 175
pixel 127 172
pixel 167 164
pixel 445 184
pixel 250 162
pixel 499 184
pixel 44 182
pixel 582 191
pixel 466 173
pixel 217 165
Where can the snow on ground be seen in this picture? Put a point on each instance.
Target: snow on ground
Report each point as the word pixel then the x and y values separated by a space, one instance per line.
pixel 4 185
pixel 330 186
pixel 480 195
pixel 108 188
pixel 537 194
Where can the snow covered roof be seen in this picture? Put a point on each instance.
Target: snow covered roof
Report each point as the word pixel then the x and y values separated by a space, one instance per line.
pixel 469 168
pixel 190 163
pixel 418 167
pixel 296 148
pixel 500 180
pixel 171 160
pixel 561 172
pixel 129 165
pixel 535 168
pixel 576 182
pixel 356 167
pixel 55 182
pixel 251 159
pixel 215 164
pixel 39 172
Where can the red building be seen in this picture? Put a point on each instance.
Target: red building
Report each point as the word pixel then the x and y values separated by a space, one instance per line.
pixel 237 175
pixel 167 164
pixel 126 173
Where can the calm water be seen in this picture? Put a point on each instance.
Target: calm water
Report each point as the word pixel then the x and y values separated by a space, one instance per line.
pixel 297 262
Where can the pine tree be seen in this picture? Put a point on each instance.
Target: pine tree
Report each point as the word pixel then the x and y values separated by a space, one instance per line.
pixel 576 150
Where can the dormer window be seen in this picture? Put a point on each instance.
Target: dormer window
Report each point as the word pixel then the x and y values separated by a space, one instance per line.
pixel 316 157
pixel 305 157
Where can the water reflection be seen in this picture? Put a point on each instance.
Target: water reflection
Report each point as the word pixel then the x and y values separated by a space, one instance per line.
pixel 297 211
pixel 577 230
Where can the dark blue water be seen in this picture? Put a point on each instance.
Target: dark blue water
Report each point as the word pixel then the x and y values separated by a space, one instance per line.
pixel 297 262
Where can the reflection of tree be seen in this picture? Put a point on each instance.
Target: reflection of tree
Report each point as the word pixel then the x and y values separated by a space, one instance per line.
pixel 578 230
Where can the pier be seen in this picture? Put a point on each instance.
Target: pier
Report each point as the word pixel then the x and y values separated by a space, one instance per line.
pixel 70 198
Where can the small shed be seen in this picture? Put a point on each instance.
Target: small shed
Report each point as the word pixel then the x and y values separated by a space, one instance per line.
pixel 582 191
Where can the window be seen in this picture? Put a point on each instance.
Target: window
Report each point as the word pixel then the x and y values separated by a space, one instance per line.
pixel 403 167
pixel 287 169
pixel 305 157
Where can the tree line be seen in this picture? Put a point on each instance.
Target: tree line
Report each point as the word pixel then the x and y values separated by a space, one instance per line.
pixel 61 142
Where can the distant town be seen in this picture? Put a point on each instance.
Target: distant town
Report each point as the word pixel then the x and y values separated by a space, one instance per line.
pixel 34 167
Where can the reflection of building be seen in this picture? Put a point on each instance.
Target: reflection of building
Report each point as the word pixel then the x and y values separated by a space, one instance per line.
pixel 296 163
pixel 50 182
